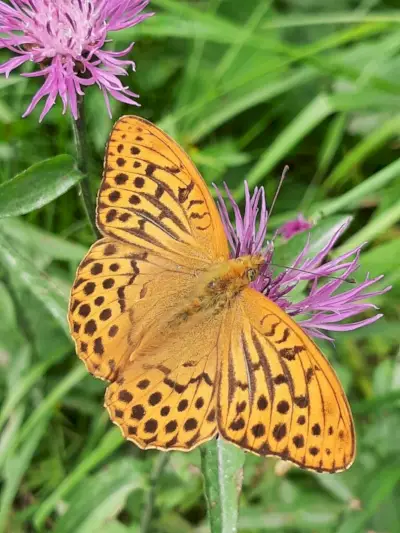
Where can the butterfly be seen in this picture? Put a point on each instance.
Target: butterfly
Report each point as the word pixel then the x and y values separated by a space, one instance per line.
pixel 161 310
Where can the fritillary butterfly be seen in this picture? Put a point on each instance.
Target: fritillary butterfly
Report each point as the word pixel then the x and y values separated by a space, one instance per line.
pixel 160 310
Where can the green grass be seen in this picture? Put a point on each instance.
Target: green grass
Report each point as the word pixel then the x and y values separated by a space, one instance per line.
pixel 245 87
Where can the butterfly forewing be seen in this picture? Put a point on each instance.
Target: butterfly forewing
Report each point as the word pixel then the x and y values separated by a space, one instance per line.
pixel 153 196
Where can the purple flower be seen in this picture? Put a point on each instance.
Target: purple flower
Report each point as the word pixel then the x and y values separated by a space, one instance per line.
pixel 324 308
pixel 292 227
pixel 65 38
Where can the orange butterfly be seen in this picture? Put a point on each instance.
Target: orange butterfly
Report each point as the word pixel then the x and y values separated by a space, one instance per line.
pixel 159 309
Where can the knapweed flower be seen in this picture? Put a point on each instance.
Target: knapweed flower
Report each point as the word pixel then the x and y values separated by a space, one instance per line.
pixel 65 39
pixel 323 308
pixel 295 226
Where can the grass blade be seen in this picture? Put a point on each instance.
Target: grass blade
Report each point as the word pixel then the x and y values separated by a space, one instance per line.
pixel 353 197
pixel 377 226
pixel 111 441
pixel 302 125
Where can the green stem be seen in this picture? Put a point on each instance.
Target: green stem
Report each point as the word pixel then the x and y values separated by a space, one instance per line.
pixel 160 464
pixel 222 467
pixel 82 152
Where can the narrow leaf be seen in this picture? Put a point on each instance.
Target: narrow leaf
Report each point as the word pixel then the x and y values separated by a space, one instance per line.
pixel 16 466
pixel 41 286
pixel 353 197
pixel 111 441
pixel 249 97
pixel 379 485
pixel 38 185
pixel 302 125
pixel 378 226
pixel 30 237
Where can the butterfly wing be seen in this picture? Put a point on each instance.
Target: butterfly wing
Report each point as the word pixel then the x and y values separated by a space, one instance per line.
pixel 166 397
pixel 121 294
pixel 153 196
pixel 277 393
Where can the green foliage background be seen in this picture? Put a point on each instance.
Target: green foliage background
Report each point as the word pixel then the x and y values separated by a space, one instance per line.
pixel 245 87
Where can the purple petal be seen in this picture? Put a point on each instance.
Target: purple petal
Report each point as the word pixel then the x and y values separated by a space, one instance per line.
pixel 11 64
pixel 295 226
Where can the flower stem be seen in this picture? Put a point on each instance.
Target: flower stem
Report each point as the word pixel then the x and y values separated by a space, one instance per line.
pixel 82 152
pixel 222 467
pixel 160 464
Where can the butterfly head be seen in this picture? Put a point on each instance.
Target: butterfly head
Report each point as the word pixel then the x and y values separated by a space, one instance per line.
pixel 248 267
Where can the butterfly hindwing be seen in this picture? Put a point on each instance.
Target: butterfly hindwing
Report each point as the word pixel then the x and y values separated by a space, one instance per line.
pixel 278 395
pixel 166 398
pixel 153 196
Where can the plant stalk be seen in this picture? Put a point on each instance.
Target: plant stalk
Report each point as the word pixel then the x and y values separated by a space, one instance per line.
pixel 82 153
pixel 159 466
pixel 222 468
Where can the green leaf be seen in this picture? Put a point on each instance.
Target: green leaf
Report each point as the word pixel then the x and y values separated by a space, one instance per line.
pixel 100 497
pixel 222 466
pixel 30 237
pixel 378 225
pixel 331 18
pixel 382 259
pixel 46 408
pixel 302 125
pixel 24 385
pixel 111 441
pixel 311 518
pixel 246 98
pixel 38 185
pixel 43 287
pixel 371 143
pixel 15 468
pixel 378 486
pixel 352 198
pixel 331 142
pixel 183 20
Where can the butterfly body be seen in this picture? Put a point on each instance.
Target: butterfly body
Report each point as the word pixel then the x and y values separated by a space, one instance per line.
pixel 160 310
pixel 217 286
pixel 214 291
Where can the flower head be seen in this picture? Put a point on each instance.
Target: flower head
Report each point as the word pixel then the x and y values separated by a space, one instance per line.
pixel 324 308
pixel 295 226
pixel 65 39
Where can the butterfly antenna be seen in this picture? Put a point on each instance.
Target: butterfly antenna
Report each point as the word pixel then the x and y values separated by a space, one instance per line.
pixel 283 176
pixel 347 280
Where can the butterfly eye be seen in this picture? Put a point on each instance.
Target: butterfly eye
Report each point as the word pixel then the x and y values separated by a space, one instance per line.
pixel 252 274
pixel 212 285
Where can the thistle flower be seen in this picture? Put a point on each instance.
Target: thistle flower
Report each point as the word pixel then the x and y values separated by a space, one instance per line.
pixel 324 308
pixel 295 226
pixel 65 39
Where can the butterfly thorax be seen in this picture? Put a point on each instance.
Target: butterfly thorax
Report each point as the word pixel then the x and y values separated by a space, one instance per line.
pixel 217 287
pixel 229 278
